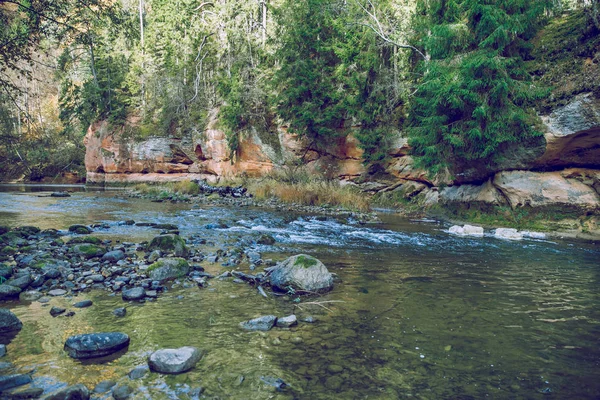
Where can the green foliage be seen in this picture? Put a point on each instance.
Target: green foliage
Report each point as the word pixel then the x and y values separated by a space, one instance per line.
pixel 475 96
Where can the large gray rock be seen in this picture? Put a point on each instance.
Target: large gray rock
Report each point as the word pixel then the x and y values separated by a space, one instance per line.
pixel 135 294
pixel 174 361
pixel 92 345
pixel 168 268
pixel 88 250
pixel 75 392
pixel 302 273
pixel 113 256
pixel 9 321
pixel 169 244
pixel 264 323
pixel 472 194
pixel 9 292
pixel 21 282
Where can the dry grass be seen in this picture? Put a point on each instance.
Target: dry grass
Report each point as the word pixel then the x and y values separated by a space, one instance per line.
pixel 183 187
pixel 186 187
pixel 312 193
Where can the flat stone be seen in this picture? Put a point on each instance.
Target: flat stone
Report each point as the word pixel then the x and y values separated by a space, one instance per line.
pixel 286 322
pixel 57 292
pixel 30 295
pixel 83 304
pixel 174 361
pixel 138 372
pixel 12 381
pixel 137 293
pixel 264 323
pixel 92 345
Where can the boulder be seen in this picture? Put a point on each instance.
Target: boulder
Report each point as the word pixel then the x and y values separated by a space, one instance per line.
pixel 75 392
pixel 472 194
pixel 543 189
pixel 30 295
pixel 168 268
pixel 170 243
pixel 9 292
pixel 56 311
pixel 80 229
pixel 113 256
pixel 467 230
pixel 266 239
pixel 91 345
pixel 21 281
pixel 88 250
pixel 264 323
pixel 508 233
pixel 301 273
pixel 174 361
pixel 9 321
pixel 135 294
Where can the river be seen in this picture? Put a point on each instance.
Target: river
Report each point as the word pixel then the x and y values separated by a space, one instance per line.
pixel 415 312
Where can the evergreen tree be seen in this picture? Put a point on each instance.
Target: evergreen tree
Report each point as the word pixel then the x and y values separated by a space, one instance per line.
pixel 474 98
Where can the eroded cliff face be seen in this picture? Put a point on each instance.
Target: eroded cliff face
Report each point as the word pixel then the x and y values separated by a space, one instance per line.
pixel 562 171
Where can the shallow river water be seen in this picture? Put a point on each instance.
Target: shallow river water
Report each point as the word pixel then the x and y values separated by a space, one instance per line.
pixel 416 312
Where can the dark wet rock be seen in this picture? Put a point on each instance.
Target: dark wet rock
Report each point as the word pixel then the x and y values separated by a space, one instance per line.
pixel 83 304
pixel 122 392
pixel 69 314
pixel 138 372
pixel 168 268
pixel 120 312
pixel 75 392
pixel 104 386
pixel 9 292
pixel 92 345
pixel 167 227
pixel 217 225
pixel 150 224
pixel 51 273
pixel 30 295
pixel 266 240
pixel 85 239
pixel 245 277
pixel 55 311
pixel 60 194
pixel 38 281
pixel 24 393
pixel 2 350
pixel 113 256
pixel 12 381
pixel 286 322
pixel 21 282
pixel 169 244
pixel 57 292
pixel 174 361
pixel 264 323
pixel 9 321
pixel 301 273
pixel 4 229
pixel 80 229
pixel 5 271
pixel 26 231
pixel 135 294
pixel 88 250
pixel 9 250
pixel 127 222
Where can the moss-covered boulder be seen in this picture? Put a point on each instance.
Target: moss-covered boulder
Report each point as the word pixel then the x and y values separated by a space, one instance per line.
pixel 168 268
pixel 80 229
pixel 26 231
pixel 301 273
pixel 169 244
pixel 8 250
pixel 88 250
pixel 85 239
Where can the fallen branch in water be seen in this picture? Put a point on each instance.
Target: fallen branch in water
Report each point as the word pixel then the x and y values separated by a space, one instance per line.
pixel 319 303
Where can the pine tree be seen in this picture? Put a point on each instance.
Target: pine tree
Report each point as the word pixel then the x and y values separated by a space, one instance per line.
pixel 474 98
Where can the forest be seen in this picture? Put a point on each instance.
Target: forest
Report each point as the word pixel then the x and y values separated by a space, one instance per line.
pixel 454 76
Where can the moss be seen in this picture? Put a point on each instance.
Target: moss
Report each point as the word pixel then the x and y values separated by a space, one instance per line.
pixel 176 263
pixel 305 261
pixel 85 239
pixel 88 250
pixel 8 250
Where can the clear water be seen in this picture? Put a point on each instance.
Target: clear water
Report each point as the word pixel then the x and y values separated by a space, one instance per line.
pixel 415 313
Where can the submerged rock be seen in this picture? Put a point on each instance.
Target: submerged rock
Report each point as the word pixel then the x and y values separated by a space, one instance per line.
pixel 168 268
pixel 12 381
pixel 264 323
pixel 138 372
pixel 286 322
pixel 60 194
pixel 56 311
pixel 92 345
pixel 135 294
pixel 75 392
pixel 9 321
pixel 80 229
pixel 83 304
pixel 174 361
pixel 301 273
pixel 122 392
pixel 120 312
